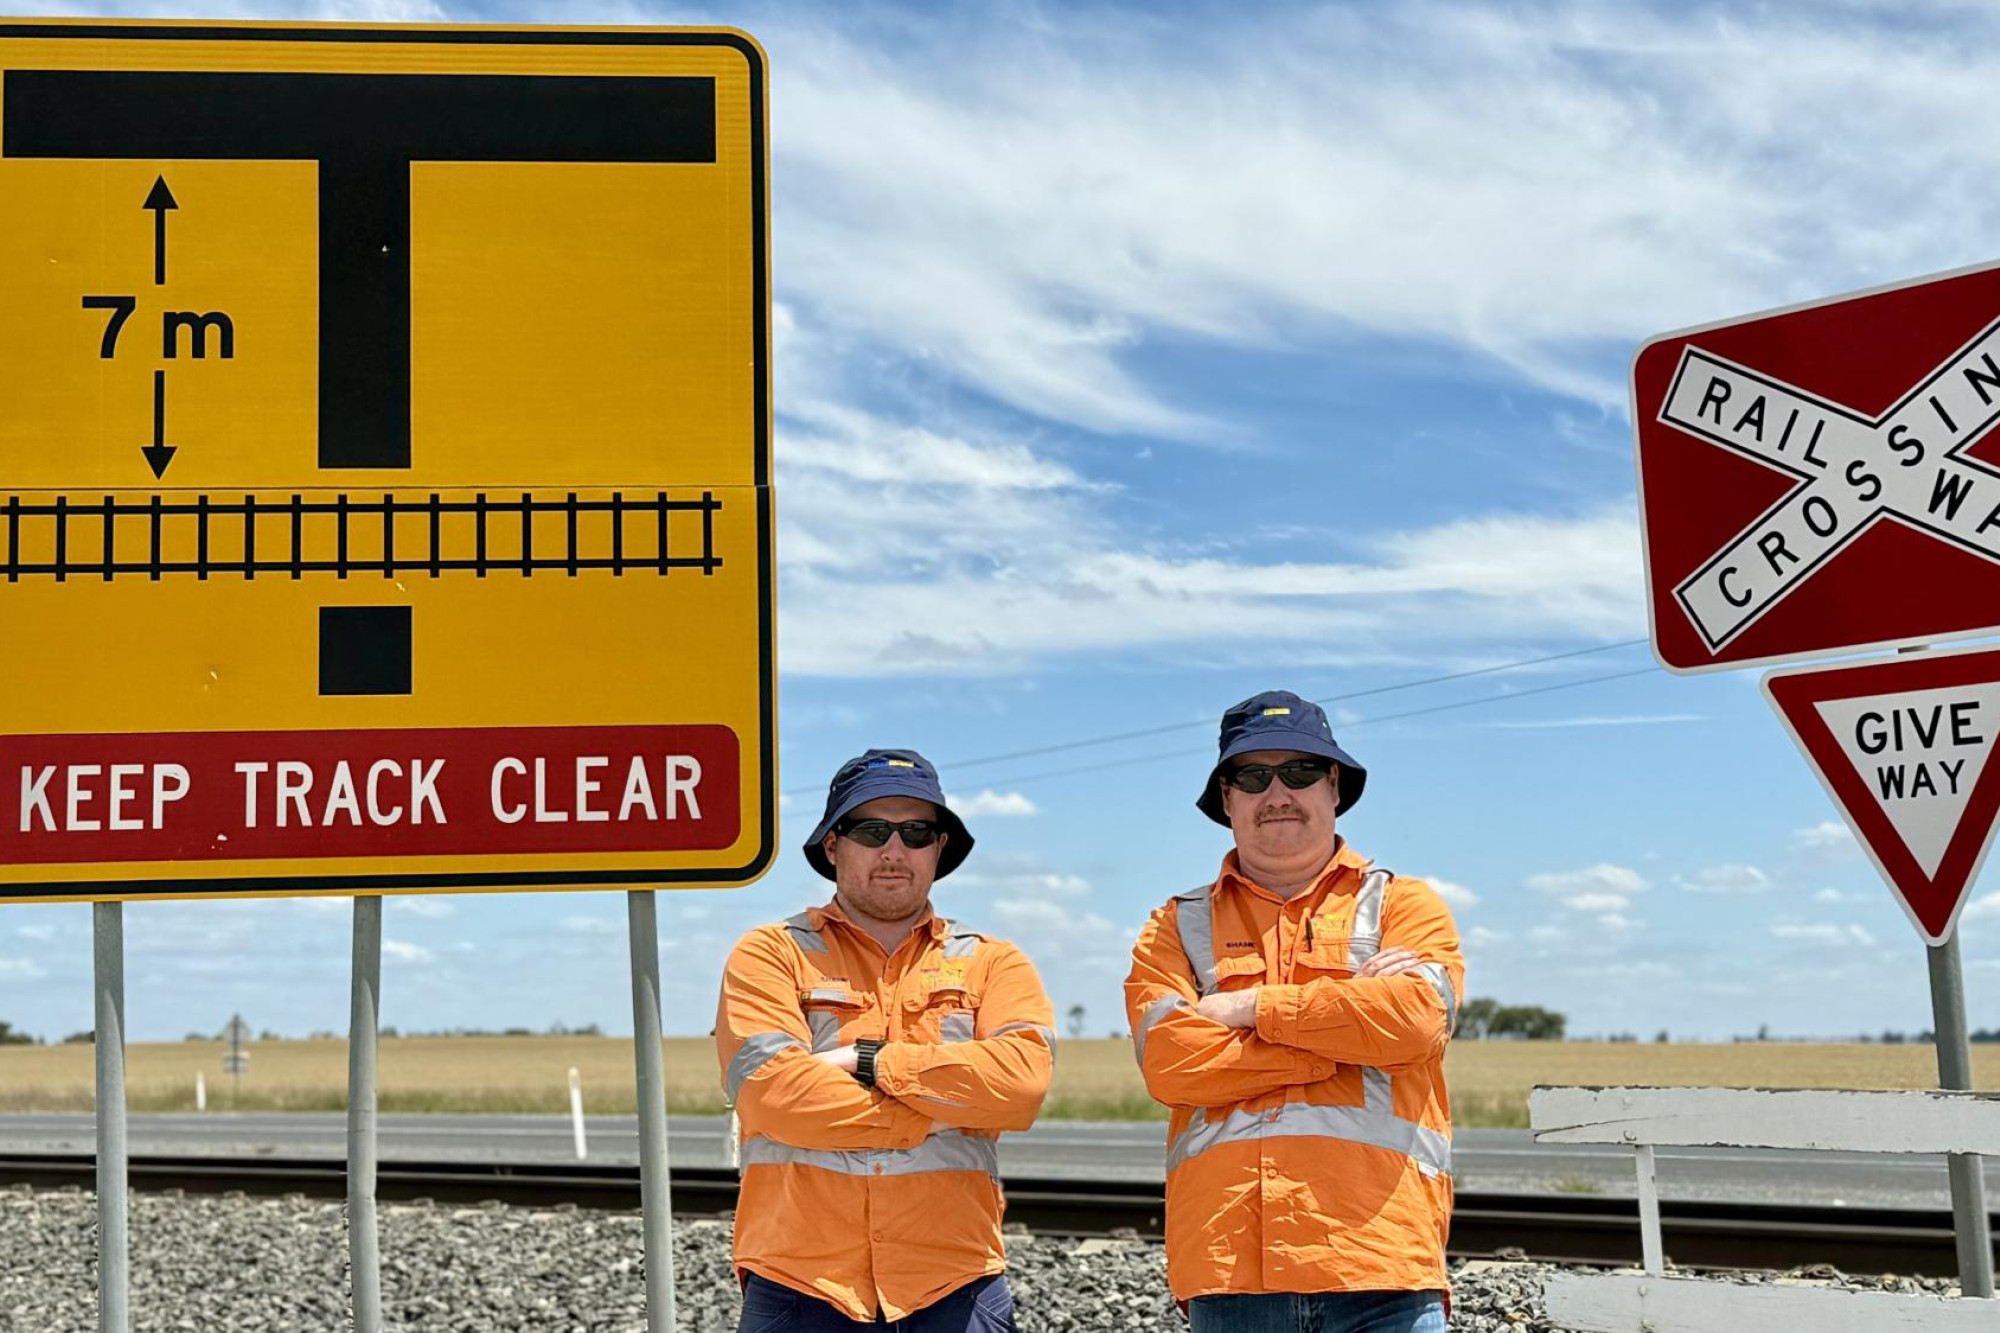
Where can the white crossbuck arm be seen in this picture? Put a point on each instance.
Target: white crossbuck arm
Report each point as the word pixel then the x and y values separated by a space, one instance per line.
pixel 1833 1121
pixel 1849 471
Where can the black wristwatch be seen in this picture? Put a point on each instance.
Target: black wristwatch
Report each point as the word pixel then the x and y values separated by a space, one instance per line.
pixel 864 1061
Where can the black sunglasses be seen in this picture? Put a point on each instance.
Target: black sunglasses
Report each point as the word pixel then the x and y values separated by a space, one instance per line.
pixel 1297 774
pixel 917 833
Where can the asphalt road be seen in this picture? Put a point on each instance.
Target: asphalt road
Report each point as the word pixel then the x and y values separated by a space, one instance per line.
pixel 1486 1159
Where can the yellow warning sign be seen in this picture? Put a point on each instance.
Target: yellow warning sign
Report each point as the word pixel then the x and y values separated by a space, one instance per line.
pixel 385 481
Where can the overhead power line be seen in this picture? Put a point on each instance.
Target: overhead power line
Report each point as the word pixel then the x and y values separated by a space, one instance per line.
pixel 1345 726
pixel 1113 738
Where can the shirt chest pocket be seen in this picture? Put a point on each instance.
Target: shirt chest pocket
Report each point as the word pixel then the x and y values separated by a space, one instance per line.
pixel 941 1011
pixel 833 1013
pixel 1332 946
pixel 1239 971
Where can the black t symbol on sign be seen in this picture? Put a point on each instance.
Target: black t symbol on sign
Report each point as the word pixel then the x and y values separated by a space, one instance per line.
pixel 363 131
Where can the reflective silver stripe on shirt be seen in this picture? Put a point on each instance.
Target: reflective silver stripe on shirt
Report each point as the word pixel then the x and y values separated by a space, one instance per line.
pixel 962 944
pixel 1152 1014
pixel 1370 1125
pixel 946 1150
pixel 1365 940
pixel 825 1024
pixel 1441 982
pixel 828 995
pixel 1196 917
pixel 956 1026
pixel 804 935
pixel 1048 1033
pixel 752 1056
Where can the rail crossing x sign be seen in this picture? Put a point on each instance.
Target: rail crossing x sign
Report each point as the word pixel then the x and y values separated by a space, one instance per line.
pixel 1823 478
pixel 1904 748
pixel 384 459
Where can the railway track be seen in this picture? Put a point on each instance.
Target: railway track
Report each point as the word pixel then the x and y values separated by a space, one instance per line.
pixel 1550 1228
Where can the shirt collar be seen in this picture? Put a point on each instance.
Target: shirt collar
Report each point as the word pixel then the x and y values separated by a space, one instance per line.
pixel 817 917
pixel 1345 859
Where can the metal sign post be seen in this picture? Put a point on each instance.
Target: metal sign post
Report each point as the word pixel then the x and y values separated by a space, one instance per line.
pixel 655 1184
pixel 1970 1221
pixel 113 1274
pixel 363 1251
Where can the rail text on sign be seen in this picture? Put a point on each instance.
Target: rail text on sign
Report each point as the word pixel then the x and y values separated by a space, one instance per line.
pixel 1907 464
pixel 249 795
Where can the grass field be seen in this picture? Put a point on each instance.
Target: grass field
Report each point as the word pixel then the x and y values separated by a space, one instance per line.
pixel 1095 1079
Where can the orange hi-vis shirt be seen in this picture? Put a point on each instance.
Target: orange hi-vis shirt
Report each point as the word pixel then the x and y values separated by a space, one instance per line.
pixel 878 1201
pixel 1313 1152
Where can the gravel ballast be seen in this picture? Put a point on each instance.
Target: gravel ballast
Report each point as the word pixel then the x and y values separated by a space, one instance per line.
pixel 257 1265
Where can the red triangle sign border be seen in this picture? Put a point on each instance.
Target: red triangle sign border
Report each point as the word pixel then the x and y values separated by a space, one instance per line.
pixel 1932 902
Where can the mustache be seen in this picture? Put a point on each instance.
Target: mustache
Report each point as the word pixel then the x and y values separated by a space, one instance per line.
pixel 1288 813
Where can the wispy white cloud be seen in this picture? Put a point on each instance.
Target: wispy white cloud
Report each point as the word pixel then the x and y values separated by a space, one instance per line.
pixel 1613 720
pixel 1602 878
pixel 403 951
pixel 20 969
pixel 430 908
pixel 1730 879
pixel 1456 895
pixel 992 804
pixel 1026 211
pixel 1983 908
pixel 1829 836
pixel 1606 903
pixel 1824 934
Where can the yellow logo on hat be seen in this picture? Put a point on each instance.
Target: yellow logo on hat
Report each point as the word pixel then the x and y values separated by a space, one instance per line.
pixel 1277 712
pixel 901 763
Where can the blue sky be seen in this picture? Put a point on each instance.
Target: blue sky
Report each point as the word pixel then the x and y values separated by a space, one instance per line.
pixel 1131 360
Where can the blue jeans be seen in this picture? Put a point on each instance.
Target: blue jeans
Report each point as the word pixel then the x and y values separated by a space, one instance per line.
pixel 1320 1312
pixel 983 1305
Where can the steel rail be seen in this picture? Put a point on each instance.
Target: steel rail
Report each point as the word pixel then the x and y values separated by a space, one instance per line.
pixel 1550 1228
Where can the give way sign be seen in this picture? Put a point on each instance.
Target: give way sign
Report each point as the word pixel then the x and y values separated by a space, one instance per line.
pixel 1904 747
pixel 1823 478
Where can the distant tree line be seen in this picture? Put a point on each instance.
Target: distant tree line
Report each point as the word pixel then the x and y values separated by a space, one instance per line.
pixel 1490 1019
pixel 555 1029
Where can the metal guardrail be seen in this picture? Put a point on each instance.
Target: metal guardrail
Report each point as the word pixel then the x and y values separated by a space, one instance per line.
pixel 1557 1228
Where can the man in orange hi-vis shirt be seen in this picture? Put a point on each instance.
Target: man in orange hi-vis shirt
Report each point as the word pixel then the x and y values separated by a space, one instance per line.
pixel 1293 1015
pixel 875 1052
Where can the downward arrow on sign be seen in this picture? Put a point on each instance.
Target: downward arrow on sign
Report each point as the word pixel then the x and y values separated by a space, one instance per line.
pixel 159 453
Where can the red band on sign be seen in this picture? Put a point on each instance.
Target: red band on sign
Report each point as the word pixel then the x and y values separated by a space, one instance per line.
pixel 251 795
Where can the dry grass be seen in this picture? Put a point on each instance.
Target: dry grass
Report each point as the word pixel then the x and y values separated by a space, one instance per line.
pixel 1095 1079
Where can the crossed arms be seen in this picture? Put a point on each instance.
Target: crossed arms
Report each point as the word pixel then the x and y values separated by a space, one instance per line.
pixel 1238 1044
pixel 785 1092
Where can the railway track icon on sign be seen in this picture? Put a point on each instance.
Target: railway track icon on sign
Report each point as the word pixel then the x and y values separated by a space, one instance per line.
pixel 204 536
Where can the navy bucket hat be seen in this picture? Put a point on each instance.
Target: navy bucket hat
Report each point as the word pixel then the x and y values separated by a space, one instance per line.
pixel 1279 720
pixel 882 773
